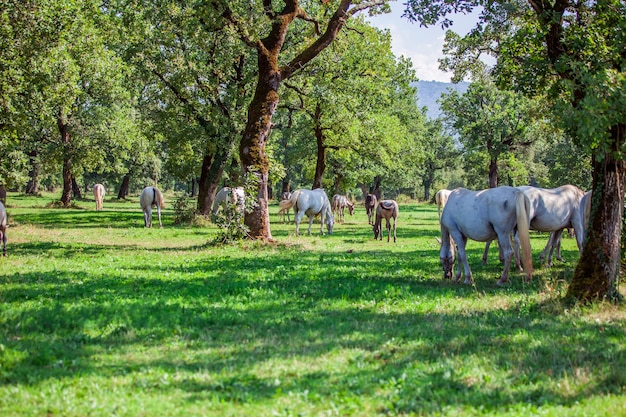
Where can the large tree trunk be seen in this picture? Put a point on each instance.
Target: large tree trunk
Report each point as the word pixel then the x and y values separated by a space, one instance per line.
pixel 66 194
pixel 597 270
pixel 76 189
pixel 252 153
pixel 213 166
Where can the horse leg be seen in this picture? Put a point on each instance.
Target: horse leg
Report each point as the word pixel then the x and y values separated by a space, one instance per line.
pixel 395 221
pixel 298 218
pixel 3 234
pixel 486 252
pixel 311 224
pixel 159 215
pixel 388 225
pixel 504 241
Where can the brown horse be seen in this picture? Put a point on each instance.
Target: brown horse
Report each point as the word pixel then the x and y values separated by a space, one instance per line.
pixel 370 207
pixel 339 203
pixel 386 209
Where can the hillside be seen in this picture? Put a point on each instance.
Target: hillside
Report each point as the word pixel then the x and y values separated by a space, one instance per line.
pixel 430 91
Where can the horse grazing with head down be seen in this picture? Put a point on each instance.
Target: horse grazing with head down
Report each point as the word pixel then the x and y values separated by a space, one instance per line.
pixel 151 196
pixel 386 209
pixel 235 196
pixel 484 216
pixel 370 207
pixel 98 194
pixel 3 229
pixel 339 204
pixel 285 212
pixel 311 203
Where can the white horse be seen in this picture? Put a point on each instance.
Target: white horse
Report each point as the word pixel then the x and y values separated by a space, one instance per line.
pixel 311 203
pixel 554 242
pixel 98 193
pixel 3 228
pixel 285 212
pixel 441 198
pixel 226 195
pixel 484 216
pixel 386 209
pixel 339 204
pixel 554 209
pixel 151 196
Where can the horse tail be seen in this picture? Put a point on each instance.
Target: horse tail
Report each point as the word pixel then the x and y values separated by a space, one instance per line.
pixel 522 210
pixel 287 204
pixel 159 197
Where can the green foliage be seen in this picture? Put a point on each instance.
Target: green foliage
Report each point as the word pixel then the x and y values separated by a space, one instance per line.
pixel 184 210
pixel 230 220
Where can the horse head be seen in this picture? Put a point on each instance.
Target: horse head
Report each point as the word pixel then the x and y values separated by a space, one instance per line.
pixel 330 222
pixel 446 256
pixel 350 207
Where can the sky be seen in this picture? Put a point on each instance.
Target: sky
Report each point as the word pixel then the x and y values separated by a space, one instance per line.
pixel 422 45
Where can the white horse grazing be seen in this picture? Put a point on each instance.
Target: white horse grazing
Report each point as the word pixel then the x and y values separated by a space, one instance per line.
pixel 339 204
pixel 98 193
pixel 151 196
pixel 285 212
pixel 226 195
pixel 3 228
pixel 554 242
pixel 441 198
pixel 554 209
pixel 484 216
pixel 386 209
pixel 311 203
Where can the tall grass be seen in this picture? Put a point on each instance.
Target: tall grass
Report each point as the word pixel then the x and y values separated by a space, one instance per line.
pixel 99 316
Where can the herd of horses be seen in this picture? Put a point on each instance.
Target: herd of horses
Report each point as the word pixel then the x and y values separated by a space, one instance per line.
pixel 506 214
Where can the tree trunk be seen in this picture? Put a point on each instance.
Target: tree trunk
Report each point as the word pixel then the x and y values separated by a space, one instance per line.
pixel 320 165
pixel 123 192
pixel 493 173
pixel 596 274
pixel 66 194
pixel 213 166
pixel 337 183
pixel 252 153
pixel 33 173
pixel 76 189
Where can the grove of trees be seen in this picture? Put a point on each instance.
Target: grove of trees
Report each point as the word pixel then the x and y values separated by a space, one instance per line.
pixel 309 94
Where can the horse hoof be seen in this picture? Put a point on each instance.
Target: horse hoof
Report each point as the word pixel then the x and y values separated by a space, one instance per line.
pixel 501 283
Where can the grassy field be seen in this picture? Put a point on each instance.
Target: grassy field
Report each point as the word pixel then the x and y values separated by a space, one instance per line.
pixel 101 317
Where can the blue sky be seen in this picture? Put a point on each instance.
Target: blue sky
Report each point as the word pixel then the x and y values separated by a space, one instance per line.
pixel 422 45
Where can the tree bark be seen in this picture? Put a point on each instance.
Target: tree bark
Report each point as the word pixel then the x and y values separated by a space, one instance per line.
pixel 66 194
pixel 320 165
pixel 76 189
pixel 123 192
pixel 493 173
pixel 596 274
pixel 33 173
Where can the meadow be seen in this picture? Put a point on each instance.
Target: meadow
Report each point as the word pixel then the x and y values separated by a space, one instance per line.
pixel 101 317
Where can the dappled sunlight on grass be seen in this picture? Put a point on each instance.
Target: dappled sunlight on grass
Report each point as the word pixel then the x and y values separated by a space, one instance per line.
pixel 158 322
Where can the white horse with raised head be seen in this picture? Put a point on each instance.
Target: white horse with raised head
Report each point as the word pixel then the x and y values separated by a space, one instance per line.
pixel 339 204
pixel 151 196
pixel 441 198
pixel 228 195
pixel 98 194
pixel 386 209
pixel 484 216
pixel 311 203
pixel 3 229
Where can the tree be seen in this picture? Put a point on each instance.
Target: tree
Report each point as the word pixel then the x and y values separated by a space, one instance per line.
pixel 490 121
pixel 575 51
pixel 441 153
pixel 267 33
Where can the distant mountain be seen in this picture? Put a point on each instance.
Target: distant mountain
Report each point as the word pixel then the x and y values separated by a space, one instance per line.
pixel 429 92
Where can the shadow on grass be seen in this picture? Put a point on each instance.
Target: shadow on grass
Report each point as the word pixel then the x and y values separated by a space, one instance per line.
pixel 236 314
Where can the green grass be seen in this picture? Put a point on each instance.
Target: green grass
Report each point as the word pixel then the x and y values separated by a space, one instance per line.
pixel 101 317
